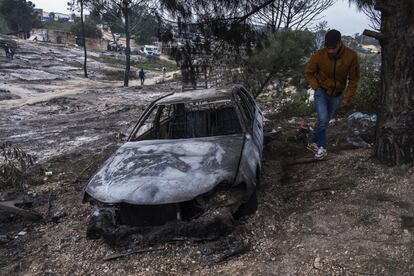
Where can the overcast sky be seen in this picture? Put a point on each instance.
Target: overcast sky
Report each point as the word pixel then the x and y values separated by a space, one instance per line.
pixel 340 16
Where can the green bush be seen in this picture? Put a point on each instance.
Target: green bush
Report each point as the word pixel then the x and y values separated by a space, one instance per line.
pixel 91 30
pixel 282 55
pixel 17 16
pixel 366 99
pixel 4 27
pixel 296 108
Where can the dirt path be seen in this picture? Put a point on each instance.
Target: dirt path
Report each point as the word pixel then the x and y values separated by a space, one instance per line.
pixel 155 80
pixel 65 88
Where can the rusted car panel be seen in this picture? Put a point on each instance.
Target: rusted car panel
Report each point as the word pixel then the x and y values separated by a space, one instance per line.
pixel 185 152
pixel 166 171
pixel 250 159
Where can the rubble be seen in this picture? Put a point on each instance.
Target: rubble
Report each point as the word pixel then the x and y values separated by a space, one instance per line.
pixel 216 221
pixel 362 116
pixel 21 233
pixel 4 239
pixel 58 216
pixel 361 130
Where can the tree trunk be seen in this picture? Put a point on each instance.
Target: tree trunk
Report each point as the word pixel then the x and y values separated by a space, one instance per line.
pixel 85 71
pixel 395 128
pixel 128 47
pixel 113 36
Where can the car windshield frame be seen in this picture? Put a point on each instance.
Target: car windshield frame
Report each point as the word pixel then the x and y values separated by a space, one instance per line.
pixel 153 113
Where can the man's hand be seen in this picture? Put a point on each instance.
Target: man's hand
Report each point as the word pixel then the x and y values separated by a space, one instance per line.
pixel 345 103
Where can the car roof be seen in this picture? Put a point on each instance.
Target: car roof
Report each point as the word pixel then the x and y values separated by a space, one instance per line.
pixel 198 95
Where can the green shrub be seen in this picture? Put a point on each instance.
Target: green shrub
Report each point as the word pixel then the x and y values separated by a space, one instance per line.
pixel 366 99
pixel 282 55
pixel 91 30
pixel 14 164
pixel 296 108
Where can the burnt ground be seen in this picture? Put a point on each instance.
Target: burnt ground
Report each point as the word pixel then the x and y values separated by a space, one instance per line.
pixel 348 215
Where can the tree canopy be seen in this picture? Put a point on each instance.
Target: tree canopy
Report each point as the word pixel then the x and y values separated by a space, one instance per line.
pixel 18 15
pixel 91 30
pixel 146 28
pixel 283 55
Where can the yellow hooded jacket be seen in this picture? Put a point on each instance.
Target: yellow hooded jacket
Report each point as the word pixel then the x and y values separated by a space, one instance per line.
pixel 332 74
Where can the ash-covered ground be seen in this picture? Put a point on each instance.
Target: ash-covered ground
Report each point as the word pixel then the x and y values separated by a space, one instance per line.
pixel 348 215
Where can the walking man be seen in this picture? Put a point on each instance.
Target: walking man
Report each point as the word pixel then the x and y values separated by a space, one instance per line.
pixel 141 75
pixel 333 72
pixel 164 72
pixel 11 52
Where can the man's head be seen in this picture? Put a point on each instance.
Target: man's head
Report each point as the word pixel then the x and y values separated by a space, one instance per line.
pixel 333 42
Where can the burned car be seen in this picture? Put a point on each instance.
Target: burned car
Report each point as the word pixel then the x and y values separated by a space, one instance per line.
pixel 190 154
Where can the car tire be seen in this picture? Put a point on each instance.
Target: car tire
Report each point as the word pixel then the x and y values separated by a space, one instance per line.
pixel 248 208
pixel 258 179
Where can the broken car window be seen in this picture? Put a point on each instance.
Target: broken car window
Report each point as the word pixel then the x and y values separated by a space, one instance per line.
pixel 247 110
pixel 191 120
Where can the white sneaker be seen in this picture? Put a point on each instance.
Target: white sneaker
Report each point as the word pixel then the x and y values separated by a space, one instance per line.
pixel 321 154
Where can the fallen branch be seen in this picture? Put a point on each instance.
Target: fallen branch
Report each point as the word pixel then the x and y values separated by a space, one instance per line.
pixel 83 171
pixel 114 257
pixel 234 252
pixel 10 207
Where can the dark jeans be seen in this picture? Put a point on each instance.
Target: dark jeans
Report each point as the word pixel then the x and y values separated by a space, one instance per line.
pixel 325 107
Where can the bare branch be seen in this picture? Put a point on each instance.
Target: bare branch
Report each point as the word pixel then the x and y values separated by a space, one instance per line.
pixel 379 36
pixel 294 14
pixel 374 17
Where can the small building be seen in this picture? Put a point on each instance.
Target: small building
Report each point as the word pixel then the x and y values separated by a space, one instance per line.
pixel 38 13
pixel 54 36
pixel 63 37
pixel 62 17
pixel 45 16
pixel 57 16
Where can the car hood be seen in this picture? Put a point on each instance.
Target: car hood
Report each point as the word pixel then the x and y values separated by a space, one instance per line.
pixel 166 171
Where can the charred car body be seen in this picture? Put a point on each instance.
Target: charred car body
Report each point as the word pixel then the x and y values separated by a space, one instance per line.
pixel 189 155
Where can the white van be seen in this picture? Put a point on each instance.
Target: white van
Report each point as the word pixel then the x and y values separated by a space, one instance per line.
pixel 151 50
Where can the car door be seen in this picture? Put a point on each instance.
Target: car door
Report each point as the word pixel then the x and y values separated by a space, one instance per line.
pixel 257 128
pixel 250 161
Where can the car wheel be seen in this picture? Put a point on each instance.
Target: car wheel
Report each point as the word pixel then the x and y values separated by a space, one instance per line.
pixel 101 221
pixel 248 208
pixel 258 179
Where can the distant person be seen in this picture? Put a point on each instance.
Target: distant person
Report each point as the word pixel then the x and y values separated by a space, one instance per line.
pixel 6 49
pixel 141 75
pixel 11 52
pixel 164 73
pixel 330 72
